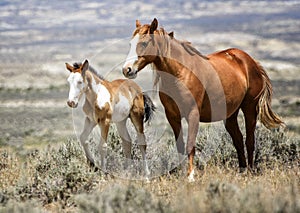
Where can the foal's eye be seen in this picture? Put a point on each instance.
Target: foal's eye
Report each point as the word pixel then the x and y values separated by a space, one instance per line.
pixel 79 82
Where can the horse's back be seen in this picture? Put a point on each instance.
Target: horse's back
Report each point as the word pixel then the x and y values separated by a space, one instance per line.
pixel 239 73
pixel 126 83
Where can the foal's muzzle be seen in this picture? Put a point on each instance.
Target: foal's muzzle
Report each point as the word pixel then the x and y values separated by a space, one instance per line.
pixel 72 104
pixel 129 72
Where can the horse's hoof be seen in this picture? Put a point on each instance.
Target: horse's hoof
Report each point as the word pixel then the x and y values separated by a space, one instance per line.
pixel 191 178
pixel 243 170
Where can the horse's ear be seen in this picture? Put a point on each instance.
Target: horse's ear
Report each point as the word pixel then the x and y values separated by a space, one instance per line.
pixel 137 23
pixel 69 67
pixel 84 68
pixel 153 26
pixel 171 34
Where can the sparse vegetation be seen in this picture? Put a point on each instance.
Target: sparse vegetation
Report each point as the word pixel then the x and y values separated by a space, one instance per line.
pixel 59 179
pixel 43 169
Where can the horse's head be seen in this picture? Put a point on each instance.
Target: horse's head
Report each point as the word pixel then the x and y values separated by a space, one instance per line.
pixel 76 82
pixel 145 47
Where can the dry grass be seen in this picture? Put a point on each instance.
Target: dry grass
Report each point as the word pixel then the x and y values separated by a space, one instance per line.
pixel 59 180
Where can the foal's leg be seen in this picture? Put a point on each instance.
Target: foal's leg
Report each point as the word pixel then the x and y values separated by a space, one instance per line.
pixel 88 127
pixel 104 126
pixel 232 127
pixel 138 121
pixel 126 140
pixel 250 114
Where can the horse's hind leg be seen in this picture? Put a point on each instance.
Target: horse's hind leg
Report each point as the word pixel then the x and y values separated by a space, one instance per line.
pixel 126 140
pixel 250 114
pixel 88 127
pixel 232 127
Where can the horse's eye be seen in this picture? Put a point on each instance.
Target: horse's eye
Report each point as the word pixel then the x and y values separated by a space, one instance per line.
pixel 79 82
pixel 144 44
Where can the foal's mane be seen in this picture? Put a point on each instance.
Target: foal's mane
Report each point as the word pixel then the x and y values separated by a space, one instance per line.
pixel 77 65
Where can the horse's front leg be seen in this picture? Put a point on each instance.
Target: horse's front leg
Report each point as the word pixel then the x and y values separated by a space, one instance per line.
pixel 104 126
pixel 193 126
pixel 88 127
pixel 173 115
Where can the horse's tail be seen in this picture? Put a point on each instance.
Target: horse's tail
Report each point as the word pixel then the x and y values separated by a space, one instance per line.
pixel 149 108
pixel 265 114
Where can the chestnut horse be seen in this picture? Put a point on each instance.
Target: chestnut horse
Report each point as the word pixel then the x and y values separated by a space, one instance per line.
pixel 107 102
pixel 203 88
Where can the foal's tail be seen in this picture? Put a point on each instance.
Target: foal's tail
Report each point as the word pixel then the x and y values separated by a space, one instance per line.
pixel 265 114
pixel 149 108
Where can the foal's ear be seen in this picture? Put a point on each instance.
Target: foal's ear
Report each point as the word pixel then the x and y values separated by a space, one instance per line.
pixel 84 68
pixel 171 34
pixel 153 26
pixel 137 24
pixel 69 67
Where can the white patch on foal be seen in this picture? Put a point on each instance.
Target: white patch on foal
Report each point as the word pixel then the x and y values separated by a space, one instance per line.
pixel 132 55
pixel 103 95
pixel 121 109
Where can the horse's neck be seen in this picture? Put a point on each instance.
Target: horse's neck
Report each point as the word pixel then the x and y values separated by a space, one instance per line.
pixel 178 63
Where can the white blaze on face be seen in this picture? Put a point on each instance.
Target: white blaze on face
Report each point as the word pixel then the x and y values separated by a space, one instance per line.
pixel 76 85
pixel 132 55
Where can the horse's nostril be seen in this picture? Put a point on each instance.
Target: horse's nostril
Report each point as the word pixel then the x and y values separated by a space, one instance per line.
pixel 71 103
pixel 128 69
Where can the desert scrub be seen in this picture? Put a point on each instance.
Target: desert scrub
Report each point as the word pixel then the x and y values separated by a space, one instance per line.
pixel 54 175
pixel 9 169
pixel 215 147
pixel 59 179
pixel 218 196
pixel 120 198
pixel 17 207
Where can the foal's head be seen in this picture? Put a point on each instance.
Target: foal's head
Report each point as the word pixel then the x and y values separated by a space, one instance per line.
pixel 76 82
pixel 146 45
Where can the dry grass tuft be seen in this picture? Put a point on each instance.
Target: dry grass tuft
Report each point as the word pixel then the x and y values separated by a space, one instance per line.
pixel 59 180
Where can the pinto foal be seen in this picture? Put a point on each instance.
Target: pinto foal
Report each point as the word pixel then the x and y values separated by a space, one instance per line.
pixel 107 102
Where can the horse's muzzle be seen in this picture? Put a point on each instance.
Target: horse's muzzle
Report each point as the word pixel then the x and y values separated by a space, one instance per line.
pixel 72 104
pixel 129 72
